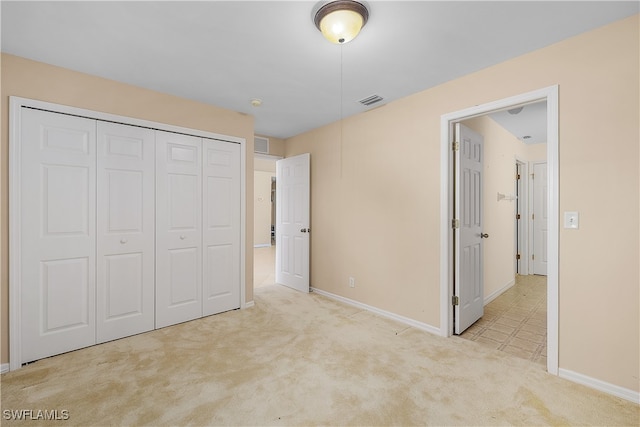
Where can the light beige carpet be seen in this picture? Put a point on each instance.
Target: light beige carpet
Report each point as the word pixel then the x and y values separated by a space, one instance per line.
pixel 297 359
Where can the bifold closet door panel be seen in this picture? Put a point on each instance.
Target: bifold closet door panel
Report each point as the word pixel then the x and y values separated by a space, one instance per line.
pixel 125 301
pixel 221 234
pixel 178 228
pixel 57 231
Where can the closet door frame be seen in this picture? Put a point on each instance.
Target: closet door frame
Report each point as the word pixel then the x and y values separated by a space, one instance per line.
pixel 16 104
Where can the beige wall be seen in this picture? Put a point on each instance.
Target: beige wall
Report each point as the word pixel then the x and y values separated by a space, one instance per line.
pixel 29 79
pixel 375 196
pixel 501 149
pixel 262 208
pixel 264 165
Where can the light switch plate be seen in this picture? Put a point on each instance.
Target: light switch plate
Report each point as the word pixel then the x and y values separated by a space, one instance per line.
pixel 572 220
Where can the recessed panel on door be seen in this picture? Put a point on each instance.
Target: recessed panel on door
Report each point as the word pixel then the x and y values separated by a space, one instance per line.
pixel 57 230
pixel 65 201
pixel 183 275
pixel 126 202
pixel 124 286
pixel 220 272
pixel 183 194
pixel 221 228
pixel 65 294
pixel 178 228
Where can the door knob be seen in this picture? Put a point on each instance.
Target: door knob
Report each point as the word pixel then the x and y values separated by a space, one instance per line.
pixel 484 236
pixel 182 237
pixel 305 230
pixel 123 241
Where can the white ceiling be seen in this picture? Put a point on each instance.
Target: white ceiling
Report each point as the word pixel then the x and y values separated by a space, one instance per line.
pixel 227 52
pixel 528 124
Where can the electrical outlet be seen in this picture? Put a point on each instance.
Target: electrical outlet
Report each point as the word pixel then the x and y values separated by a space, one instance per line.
pixel 352 282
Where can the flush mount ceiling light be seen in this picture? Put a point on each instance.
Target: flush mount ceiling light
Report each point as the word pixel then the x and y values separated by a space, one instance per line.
pixel 340 21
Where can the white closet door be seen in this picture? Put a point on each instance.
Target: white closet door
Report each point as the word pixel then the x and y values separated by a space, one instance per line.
pixel 178 228
pixel 57 191
pixel 221 235
pixel 125 232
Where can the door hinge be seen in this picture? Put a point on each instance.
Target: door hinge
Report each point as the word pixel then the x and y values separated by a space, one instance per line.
pixel 533 257
pixel 533 176
pixel 517 256
pixel 455 223
pixel 533 216
pixel 517 176
pixel 455 300
pixel 517 216
pixel 455 146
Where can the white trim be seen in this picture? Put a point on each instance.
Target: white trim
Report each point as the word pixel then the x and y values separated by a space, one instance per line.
pixel 243 223
pixel 266 156
pixel 262 245
pixel 15 111
pixel 249 304
pixel 4 368
pixel 531 206
pixel 407 321
pixel 621 392
pixel 524 206
pixel 446 211
pixel 15 291
pixel 495 294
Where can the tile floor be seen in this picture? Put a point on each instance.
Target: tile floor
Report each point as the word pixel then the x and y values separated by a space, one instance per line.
pixel 516 321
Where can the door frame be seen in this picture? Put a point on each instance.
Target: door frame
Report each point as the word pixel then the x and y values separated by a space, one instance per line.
pixel 532 205
pixel 447 122
pixel 15 244
pixel 522 239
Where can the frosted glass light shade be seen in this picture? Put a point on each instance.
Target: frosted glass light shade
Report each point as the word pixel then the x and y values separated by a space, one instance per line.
pixel 341 26
pixel 340 21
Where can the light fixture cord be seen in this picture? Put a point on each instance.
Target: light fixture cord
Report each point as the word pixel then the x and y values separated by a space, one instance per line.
pixel 341 108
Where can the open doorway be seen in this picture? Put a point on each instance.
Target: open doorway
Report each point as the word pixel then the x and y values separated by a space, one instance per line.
pixel 514 295
pixel 264 250
pixel 448 228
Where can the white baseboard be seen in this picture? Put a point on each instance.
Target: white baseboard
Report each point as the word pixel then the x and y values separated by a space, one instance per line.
pixel 262 245
pixel 499 292
pixel 4 368
pixel 621 392
pixel 249 304
pixel 407 321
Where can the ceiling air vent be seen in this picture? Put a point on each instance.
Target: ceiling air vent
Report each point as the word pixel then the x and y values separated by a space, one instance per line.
pixel 370 100
pixel 261 145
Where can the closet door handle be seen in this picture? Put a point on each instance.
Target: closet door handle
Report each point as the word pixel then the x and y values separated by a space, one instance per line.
pixel 123 241
pixel 484 235
pixel 182 237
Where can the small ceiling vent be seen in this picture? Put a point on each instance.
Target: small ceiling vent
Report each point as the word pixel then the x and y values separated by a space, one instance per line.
pixel 261 145
pixel 370 100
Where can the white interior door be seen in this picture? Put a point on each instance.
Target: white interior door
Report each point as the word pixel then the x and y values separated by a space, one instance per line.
pixel 468 284
pixel 57 190
pixel 293 181
pixel 539 218
pixel 125 231
pixel 221 234
pixel 178 228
